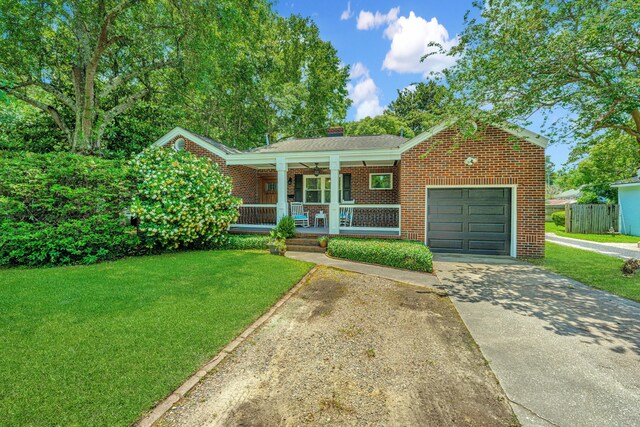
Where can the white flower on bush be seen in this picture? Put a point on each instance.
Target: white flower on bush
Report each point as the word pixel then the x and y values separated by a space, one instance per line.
pixel 182 199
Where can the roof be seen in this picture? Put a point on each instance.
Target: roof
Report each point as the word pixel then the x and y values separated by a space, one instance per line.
pixel 334 143
pixel 629 181
pixel 217 144
pixel 569 194
pixel 560 202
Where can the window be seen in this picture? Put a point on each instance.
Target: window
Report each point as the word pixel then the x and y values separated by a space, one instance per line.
pixel 317 189
pixel 380 181
pixel 179 144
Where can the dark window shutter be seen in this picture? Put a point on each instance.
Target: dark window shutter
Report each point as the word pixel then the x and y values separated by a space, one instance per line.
pixel 297 197
pixel 346 187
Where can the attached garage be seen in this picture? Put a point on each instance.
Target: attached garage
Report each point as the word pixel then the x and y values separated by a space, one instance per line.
pixel 469 220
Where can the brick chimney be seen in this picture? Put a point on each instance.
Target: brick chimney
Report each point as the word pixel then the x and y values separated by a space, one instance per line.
pixel 335 131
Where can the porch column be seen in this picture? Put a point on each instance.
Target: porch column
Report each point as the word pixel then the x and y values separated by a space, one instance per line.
pixel 281 167
pixel 334 206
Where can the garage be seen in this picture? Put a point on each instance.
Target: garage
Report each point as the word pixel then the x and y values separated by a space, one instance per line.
pixel 469 220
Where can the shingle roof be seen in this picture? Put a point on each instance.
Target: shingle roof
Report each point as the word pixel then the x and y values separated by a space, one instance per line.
pixel 634 180
pixel 218 145
pixel 333 143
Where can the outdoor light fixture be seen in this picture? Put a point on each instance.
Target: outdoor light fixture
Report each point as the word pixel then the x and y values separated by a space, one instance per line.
pixel 289 181
pixel 316 171
pixel 470 161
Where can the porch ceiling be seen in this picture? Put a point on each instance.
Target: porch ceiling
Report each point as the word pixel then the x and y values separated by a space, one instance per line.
pixel 325 165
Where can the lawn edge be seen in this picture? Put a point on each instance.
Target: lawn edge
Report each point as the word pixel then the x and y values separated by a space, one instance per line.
pixel 165 405
pixel 432 273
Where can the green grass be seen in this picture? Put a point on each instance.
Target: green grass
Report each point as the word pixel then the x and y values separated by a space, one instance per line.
pixel 99 345
pixel 550 227
pixel 593 269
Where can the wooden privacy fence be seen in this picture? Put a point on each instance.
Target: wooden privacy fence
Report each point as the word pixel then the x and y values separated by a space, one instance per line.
pixel 596 219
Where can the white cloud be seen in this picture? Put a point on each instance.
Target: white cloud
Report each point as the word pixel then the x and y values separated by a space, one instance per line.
pixel 364 92
pixel 368 20
pixel 410 37
pixel 346 14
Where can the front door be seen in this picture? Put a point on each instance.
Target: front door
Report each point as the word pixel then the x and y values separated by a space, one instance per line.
pixel 268 190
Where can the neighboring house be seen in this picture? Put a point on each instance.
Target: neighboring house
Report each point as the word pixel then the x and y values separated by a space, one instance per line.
pixel 629 201
pixel 483 195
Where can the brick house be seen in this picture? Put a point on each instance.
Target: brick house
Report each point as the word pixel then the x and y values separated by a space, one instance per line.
pixel 480 195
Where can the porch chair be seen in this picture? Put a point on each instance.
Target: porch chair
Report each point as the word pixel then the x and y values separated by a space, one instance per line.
pixel 300 217
pixel 346 216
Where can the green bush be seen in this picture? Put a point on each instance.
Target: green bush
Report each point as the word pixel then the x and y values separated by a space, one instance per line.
pixel 558 218
pixel 246 241
pixel 63 208
pixel 182 201
pixel 394 253
pixel 286 227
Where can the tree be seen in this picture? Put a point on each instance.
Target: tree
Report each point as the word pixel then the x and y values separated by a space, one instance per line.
pixel 419 105
pixel 602 161
pixel 385 124
pixel 84 63
pixel 270 76
pixel 523 57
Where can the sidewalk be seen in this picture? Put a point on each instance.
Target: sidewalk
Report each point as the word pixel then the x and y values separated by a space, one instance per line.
pixel 413 277
pixel 619 250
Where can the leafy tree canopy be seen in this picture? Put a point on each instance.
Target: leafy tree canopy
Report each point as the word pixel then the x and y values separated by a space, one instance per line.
pixel 527 56
pixel 114 74
pixel 602 161
pixel 385 124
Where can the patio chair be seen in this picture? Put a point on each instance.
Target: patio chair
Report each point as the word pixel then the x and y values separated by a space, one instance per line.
pixel 299 215
pixel 346 216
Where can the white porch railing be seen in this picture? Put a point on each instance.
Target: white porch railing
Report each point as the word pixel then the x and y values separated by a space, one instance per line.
pixel 263 216
pixel 370 218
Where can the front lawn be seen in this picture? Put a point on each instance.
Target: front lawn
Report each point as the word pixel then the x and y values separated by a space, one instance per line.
pixel 99 345
pixel 593 269
pixel 550 227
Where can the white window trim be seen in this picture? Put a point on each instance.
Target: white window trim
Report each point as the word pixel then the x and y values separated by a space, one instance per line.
pixel 321 190
pixel 381 173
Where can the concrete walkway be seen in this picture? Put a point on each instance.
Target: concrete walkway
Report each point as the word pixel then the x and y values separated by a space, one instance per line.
pixel 620 250
pixel 565 354
pixel 413 277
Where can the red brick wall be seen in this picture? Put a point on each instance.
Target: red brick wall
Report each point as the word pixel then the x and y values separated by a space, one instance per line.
pixel 244 178
pixel 499 163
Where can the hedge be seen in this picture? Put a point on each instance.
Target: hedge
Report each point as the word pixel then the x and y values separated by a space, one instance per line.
pixel 394 253
pixel 246 241
pixel 63 208
pixel 558 218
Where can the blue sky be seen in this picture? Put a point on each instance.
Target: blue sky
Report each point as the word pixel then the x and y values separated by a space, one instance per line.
pixel 383 42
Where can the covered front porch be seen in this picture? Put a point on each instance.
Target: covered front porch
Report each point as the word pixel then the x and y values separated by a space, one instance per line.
pixel 325 194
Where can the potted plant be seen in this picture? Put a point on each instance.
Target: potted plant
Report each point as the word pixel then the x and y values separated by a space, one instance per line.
pixel 277 244
pixel 322 241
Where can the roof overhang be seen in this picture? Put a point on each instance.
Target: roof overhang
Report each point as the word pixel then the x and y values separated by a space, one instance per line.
pixel 626 184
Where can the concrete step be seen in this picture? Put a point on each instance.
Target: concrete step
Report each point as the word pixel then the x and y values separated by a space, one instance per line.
pixel 303 241
pixel 304 248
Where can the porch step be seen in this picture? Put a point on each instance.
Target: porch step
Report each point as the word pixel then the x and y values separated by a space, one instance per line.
pixel 304 248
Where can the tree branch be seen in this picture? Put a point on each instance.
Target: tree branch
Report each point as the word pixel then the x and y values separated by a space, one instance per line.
pixel 124 78
pixel 44 107
pixel 117 110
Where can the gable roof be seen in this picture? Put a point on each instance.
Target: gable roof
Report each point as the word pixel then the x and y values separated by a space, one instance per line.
pixel 334 143
pixel 205 142
pixel 381 144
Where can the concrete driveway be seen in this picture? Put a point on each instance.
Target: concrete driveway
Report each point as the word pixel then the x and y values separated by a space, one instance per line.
pixel 565 354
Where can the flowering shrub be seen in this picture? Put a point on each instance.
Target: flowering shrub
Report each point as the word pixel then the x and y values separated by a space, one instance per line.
pixel 182 201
